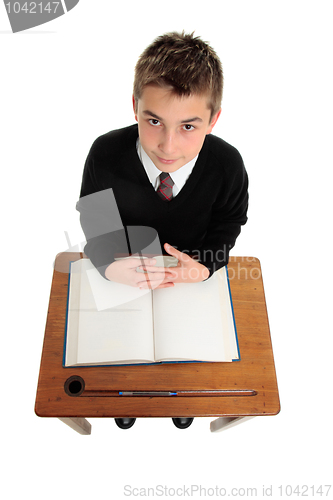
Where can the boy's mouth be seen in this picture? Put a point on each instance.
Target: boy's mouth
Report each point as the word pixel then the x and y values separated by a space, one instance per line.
pixel 166 162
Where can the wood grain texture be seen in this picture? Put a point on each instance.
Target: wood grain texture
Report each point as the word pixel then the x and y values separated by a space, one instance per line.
pixel 255 371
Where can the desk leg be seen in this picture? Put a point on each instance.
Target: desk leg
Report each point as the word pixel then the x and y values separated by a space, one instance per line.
pixel 80 425
pixel 222 423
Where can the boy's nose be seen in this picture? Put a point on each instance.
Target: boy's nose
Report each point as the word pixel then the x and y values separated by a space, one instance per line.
pixel 168 143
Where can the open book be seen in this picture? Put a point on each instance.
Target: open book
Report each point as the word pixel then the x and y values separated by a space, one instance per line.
pixel 109 323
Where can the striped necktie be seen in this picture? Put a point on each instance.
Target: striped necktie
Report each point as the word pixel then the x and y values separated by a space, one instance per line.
pixel 165 188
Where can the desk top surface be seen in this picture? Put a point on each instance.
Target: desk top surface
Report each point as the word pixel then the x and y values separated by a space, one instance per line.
pixel 254 373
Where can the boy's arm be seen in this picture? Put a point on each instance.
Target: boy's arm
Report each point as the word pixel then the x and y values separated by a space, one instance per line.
pixel 99 216
pixel 229 213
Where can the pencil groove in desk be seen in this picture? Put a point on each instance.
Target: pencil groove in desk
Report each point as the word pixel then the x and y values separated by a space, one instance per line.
pixel 191 394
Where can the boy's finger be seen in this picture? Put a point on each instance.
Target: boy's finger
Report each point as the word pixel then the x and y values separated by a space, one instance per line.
pixel 165 285
pixel 154 269
pixel 156 277
pixel 159 276
pixel 142 262
pixel 154 285
pixel 176 253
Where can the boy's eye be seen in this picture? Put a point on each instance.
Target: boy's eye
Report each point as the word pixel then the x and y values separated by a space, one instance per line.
pixel 154 122
pixel 188 127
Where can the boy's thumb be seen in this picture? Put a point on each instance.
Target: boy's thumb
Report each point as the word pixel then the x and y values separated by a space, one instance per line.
pixel 174 252
pixel 171 250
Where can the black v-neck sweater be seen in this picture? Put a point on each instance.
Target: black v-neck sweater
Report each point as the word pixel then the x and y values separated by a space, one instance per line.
pixel 203 220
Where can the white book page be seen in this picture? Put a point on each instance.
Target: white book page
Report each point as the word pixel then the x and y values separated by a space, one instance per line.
pixel 189 324
pixel 103 294
pixel 73 318
pixel 123 333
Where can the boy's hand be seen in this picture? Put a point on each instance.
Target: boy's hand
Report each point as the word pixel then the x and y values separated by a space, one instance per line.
pixel 125 271
pixel 187 270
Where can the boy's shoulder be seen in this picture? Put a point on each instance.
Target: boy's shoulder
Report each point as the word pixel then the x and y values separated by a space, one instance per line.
pixel 115 140
pixel 223 160
pixel 219 149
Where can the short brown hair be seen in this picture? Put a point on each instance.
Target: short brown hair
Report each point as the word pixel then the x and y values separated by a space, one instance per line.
pixel 184 62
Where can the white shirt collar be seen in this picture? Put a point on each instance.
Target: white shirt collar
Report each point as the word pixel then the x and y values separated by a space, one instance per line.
pixel 179 177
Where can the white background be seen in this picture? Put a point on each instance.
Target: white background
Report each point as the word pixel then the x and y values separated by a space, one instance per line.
pixel 68 81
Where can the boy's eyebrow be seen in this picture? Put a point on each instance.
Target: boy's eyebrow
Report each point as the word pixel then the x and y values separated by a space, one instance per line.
pixel 190 120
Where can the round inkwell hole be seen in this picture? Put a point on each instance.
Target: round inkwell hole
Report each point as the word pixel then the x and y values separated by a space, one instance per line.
pixel 74 386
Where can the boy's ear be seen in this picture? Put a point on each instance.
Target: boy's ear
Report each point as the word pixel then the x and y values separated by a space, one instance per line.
pixel 134 108
pixel 213 122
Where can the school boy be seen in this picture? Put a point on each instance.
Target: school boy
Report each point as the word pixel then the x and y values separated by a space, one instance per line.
pixel 168 172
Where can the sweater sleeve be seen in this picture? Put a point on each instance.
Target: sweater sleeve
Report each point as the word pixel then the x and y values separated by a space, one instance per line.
pixel 99 216
pixel 229 213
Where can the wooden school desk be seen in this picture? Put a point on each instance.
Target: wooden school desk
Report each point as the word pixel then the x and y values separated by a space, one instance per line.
pixel 231 391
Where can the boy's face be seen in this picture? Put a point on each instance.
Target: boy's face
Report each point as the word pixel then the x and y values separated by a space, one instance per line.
pixel 172 129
